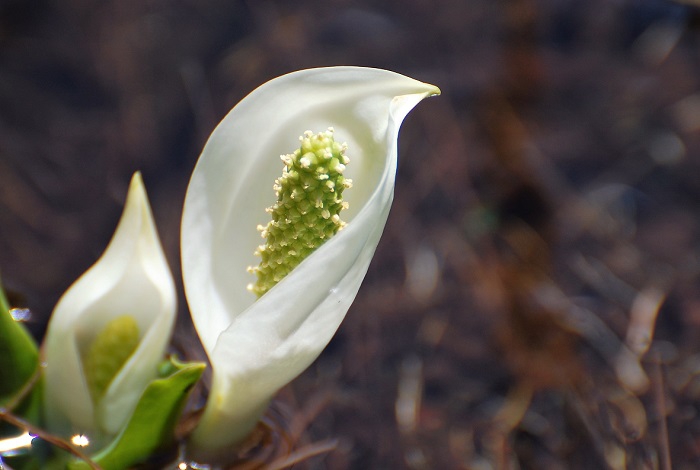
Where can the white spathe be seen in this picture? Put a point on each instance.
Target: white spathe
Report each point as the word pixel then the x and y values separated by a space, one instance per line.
pixel 257 346
pixel 130 278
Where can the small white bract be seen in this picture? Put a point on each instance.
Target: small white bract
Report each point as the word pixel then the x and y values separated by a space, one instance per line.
pixel 110 329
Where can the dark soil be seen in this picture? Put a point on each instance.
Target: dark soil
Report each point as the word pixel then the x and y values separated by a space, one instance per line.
pixel 535 300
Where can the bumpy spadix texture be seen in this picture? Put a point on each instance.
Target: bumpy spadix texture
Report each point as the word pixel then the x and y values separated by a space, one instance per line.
pixel 307 211
pixel 132 277
pixel 256 347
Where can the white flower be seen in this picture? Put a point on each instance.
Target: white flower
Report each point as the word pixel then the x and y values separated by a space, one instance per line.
pixel 257 346
pixel 124 305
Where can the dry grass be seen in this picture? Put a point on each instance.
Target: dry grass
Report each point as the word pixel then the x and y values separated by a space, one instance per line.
pixel 534 301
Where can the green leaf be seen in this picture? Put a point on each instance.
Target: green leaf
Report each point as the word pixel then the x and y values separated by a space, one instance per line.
pixel 19 354
pixel 4 304
pixel 153 422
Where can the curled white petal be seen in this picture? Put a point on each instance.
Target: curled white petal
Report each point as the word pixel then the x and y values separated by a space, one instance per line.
pixel 256 347
pixel 130 278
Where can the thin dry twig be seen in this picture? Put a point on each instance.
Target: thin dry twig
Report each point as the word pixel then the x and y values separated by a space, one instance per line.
pixel 660 403
pixel 305 453
pixel 24 391
pixel 51 439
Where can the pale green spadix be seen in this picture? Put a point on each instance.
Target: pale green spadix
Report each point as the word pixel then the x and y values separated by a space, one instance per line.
pixel 307 211
pixel 108 352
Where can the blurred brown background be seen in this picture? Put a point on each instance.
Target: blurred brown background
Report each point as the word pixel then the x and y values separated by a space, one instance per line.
pixel 535 300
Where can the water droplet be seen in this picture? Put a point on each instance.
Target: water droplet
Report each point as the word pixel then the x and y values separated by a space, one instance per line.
pixel 80 440
pixel 21 314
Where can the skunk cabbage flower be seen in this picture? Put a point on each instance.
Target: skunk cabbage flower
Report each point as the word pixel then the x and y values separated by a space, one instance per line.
pixel 109 331
pixel 257 346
